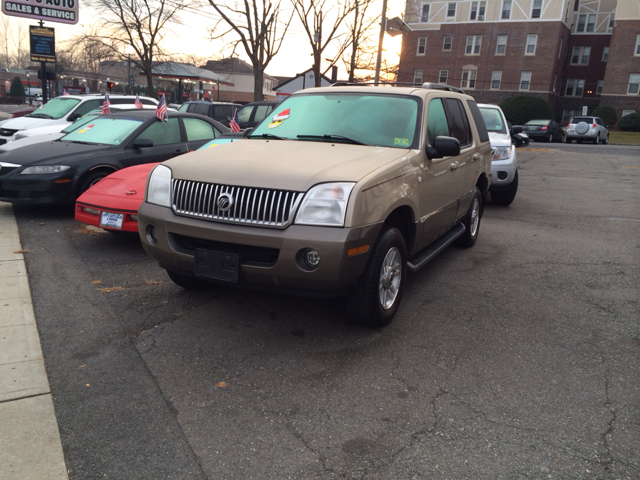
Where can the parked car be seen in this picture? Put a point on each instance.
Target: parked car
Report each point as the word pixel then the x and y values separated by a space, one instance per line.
pixel 62 110
pixel 253 113
pixel 36 102
pixel 21 112
pixel 591 129
pixel 59 171
pixel 219 111
pixel 113 202
pixel 340 192
pixel 544 131
pixel 504 165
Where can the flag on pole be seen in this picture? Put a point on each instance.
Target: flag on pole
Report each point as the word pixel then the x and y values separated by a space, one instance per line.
pixel 138 102
pixel 106 104
pixel 64 92
pixel 161 110
pixel 234 124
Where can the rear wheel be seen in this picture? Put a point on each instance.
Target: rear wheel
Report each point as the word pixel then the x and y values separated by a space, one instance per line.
pixel 597 140
pixel 506 197
pixel 190 283
pixel 471 221
pixel 606 140
pixel 550 139
pixel 375 298
pixel 90 180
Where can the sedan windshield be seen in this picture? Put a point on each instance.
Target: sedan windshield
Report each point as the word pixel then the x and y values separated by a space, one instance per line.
pixel 56 108
pixel 363 119
pixel 104 131
pixel 493 120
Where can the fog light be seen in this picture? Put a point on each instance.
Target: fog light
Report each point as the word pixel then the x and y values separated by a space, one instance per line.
pixel 311 258
pixel 92 211
pixel 152 235
pixel 134 218
pixel 502 175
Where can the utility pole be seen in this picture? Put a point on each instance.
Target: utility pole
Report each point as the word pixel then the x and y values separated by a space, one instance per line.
pixel 383 26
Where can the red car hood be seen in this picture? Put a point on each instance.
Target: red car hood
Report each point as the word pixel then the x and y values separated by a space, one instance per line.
pixel 122 190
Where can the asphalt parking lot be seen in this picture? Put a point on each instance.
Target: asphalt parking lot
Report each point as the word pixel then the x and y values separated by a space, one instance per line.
pixel 516 359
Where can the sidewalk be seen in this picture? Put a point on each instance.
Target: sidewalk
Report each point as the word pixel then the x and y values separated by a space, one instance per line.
pixel 30 445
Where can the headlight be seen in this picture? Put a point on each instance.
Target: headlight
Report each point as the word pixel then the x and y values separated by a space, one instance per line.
pixel 44 169
pixel 159 187
pixel 502 153
pixel 22 135
pixel 325 204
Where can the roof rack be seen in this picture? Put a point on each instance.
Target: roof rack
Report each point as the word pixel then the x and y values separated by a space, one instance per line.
pixel 373 84
pixel 441 86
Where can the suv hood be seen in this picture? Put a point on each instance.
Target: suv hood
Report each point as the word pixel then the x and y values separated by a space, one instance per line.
pixel 499 139
pixel 22 123
pixel 282 164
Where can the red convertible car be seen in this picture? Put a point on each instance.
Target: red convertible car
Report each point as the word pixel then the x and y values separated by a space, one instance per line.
pixel 113 202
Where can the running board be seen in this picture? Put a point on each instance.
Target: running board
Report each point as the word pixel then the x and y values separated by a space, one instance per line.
pixel 425 256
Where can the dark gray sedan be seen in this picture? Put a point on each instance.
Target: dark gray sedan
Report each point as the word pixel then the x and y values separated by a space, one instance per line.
pixel 59 171
pixel 544 131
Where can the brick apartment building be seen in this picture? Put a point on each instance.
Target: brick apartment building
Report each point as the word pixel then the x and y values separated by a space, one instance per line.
pixel 572 53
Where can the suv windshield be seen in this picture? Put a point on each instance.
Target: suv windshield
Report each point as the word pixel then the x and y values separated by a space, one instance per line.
pixel 493 120
pixel 382 120
pixel 104 131
pixel 56 108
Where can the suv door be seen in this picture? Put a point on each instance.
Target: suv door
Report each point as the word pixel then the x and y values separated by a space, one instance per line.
pixel 167 143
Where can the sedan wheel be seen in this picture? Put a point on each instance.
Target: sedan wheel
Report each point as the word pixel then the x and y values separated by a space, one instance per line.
pixel 550 137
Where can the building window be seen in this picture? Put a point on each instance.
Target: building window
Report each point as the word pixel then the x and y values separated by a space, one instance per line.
pixel 446 43
pixel 612 19
pixel 417 76
pixel 525 80
pixel 451 10
pixel 501 47
pixel 591 23
pixel 575 87
pixel 536 9
pixel 636 52
pixel 634 84
pixel 473 45
pixel 599 87
pixel 569 114
pixel 530 49
pixel 422 45
pixel 444 76
pixel 605 54
pixel 424 13
pixel 506 10
pixel 496 77
pixel 477 10
pixel 468 79
pixel 580 55
pixel 586 23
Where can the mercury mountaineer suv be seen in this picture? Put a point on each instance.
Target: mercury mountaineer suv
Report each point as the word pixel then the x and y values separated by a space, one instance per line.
pixel 341 191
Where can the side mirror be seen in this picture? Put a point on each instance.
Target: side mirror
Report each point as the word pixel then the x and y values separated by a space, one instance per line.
pixel 247 132
pixel 516 129
pixel 443 147
pixel 143 143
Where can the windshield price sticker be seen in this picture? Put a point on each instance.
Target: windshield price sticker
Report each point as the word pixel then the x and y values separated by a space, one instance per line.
pixel 61 11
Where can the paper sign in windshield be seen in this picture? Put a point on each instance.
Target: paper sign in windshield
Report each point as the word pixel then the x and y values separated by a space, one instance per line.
pixel 86 129
pixel 277 120
pixel 401 142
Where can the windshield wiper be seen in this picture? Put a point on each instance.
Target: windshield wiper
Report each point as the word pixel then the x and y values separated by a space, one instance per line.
pixel 334 137
pixel 82 143
pixel 42 115
pixel 268 135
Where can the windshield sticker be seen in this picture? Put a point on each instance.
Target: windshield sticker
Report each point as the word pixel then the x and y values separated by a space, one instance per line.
pixel 86 129
pixel 277 120
pixel 401 142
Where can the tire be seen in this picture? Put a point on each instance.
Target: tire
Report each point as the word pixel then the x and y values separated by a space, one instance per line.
pixel 506 197
pixel 550 139
pixel 606 140
pixel 471 221
pixel 189 283
pixel 90 180
pixel 382 281
pixel 596 140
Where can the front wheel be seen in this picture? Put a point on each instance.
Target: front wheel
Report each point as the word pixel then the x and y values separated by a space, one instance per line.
pixel 471 221
pixel 506 197
pixel 373 301
pixel 90 180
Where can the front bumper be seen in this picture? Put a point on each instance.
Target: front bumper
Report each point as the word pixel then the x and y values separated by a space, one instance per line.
pixel 503 171
pixel 268 257
pixel 37 189
pixel 129 224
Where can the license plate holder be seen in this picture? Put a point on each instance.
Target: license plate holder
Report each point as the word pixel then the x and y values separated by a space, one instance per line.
pixel 111 220
pixel 217 265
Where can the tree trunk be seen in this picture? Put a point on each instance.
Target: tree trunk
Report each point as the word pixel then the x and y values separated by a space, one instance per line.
pixel 258 80
pixel 147 71
pixel 316 68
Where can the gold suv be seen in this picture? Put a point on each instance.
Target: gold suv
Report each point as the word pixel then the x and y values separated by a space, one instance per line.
pixel 340 191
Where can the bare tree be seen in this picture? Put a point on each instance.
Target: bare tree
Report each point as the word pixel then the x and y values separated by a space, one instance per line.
pixel 6 31
pixel 313 16
pixel 260 32
pixel 139 25
pixel 22 56
pixel 88 50
pixel 360 40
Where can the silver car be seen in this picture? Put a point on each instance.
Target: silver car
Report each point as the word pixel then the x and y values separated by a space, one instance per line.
pixel 591 129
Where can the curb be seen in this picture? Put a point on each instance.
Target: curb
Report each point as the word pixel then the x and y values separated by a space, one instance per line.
pixel 30 446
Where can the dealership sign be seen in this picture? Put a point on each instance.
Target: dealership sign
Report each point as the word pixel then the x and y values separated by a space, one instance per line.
pixel 43 44
pixel 62 11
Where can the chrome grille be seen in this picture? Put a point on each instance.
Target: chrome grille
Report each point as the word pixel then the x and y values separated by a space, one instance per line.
pixel 251 206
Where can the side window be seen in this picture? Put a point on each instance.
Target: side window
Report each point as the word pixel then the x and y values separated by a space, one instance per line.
pixel 223 111
pixel 198 130
pixel 122 101
pixel 163 133
pixel 202 109
pixel 147 102
pixel 437 124
pixel 262 111
pixel 598 121
pixel 244 115
pixel 479 120
pixel 459 123
pixel 87 106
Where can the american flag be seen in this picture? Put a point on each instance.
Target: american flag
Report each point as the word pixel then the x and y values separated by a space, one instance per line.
pixel 106 104
pixel 234 124
pixel 138 102
pixel 64 92
pixel 161 110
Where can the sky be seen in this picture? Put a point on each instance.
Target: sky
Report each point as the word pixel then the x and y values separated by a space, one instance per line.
pixel 294 56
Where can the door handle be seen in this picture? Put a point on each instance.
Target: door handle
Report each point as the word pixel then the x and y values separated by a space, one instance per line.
pixel 454 165
pixel 475 157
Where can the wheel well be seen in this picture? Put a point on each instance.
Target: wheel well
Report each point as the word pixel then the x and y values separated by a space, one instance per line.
pixel 483 184
pixel 402 219
pixel 105 168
